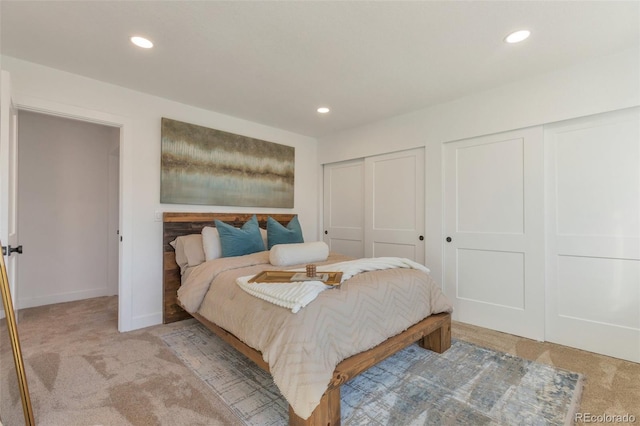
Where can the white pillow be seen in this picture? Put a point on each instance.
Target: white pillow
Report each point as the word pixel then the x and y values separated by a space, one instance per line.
pixel 211 243
pixel 263 232
pixel 298 253
pixel 189 251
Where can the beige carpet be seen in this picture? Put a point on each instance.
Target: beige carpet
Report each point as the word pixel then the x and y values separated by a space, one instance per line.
pixel 81 371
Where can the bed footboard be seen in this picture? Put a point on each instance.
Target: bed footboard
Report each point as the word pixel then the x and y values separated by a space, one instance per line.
pixel 439 340
pixel 433 333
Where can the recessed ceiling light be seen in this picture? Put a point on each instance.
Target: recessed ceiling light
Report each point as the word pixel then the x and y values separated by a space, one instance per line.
pixel 142 42
pixel 517 36
pixel 323 110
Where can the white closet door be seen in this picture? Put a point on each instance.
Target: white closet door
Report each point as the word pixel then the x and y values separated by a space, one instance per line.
pixel 394 205
pixel 494 230
pixel 374 207
pixel 9 184
pixel 593 238
pixel 344 207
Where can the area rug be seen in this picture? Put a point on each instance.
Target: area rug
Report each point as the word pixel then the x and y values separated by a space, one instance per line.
pixel 467 385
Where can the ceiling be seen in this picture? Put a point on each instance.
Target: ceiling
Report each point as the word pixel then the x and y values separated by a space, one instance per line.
pixel 275 62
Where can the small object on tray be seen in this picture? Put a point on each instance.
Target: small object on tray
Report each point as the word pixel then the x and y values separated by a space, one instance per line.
pixel 328 278
pixel 311 270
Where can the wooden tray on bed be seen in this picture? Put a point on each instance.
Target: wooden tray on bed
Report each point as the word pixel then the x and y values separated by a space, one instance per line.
pixel 333 278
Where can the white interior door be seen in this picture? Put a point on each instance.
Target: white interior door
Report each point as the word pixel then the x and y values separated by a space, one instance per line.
pixel 9 183
pixel 394 205
pixel 344 207
pixel 494 231
pixel 593 237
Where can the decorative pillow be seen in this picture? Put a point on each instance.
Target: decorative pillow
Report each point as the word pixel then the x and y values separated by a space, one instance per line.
pixel 278 234
pixel 240 241
pixel 294 254
pixel 263 232
pixel 211 243
pixel 189 250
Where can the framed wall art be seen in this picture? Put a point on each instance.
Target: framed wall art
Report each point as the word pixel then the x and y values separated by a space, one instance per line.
pixel 206 166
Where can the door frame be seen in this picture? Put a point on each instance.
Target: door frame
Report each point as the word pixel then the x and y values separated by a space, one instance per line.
pixel 125 250
pixel 8 186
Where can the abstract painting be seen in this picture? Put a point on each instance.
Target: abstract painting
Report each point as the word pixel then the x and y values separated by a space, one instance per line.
pixel 205 166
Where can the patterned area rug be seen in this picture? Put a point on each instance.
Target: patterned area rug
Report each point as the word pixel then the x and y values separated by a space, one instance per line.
pixel 465 385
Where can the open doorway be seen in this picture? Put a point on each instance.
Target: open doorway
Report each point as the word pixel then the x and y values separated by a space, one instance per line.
pixel 68 209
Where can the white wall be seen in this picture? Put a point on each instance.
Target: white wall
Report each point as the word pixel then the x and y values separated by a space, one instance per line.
pixel 63 209
pixel 605 84
pixel 144 112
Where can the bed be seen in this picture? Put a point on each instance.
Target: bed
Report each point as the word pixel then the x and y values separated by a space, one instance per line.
pixel 246 322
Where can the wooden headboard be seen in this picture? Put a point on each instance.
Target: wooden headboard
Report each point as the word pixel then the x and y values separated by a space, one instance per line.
pixel 177 224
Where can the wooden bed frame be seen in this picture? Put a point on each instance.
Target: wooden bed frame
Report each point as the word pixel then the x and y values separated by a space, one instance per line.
pixel 177 224
pixel 433 333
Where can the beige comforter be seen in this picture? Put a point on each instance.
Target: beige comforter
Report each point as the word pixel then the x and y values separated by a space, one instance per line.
pixel 303 349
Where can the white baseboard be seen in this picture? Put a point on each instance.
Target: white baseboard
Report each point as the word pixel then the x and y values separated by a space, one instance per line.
pixel 143 321
pixel 62 297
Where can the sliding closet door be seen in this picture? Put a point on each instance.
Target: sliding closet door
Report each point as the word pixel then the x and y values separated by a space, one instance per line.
pixel 394 205
pixel 374 207
pixel 344 207
pixel 494 230
pixel 593 239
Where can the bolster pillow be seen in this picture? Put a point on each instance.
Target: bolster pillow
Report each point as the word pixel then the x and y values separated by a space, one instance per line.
pixel 298 253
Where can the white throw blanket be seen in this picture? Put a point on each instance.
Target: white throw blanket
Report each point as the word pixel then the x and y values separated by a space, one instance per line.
pixel 297 295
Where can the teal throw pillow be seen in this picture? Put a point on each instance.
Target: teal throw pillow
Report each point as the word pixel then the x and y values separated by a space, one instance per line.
pixel 240 241
pixel 278 234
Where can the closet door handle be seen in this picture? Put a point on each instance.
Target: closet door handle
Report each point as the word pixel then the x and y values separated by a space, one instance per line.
pixel 448 239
